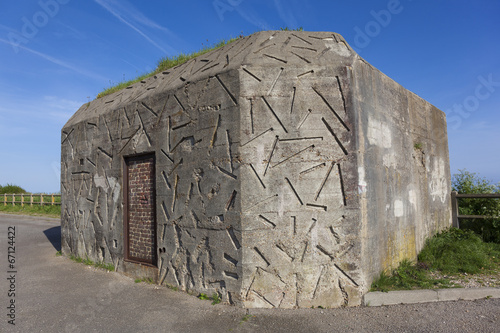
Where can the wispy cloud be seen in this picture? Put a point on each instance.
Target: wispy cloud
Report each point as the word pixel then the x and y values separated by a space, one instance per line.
pixel 133 18
pixel 62 104
pixel 286 14
pixel 252 18
pixel 57 61
pixel 69 31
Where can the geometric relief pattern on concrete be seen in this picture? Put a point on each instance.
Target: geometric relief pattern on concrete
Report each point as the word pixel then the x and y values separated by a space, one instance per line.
pixel 197 188
pixel 300 230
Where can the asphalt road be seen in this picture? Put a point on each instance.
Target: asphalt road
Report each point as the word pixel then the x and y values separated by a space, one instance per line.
pixel 55 294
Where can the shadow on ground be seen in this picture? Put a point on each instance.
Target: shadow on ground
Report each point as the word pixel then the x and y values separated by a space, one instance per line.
pixel 54 236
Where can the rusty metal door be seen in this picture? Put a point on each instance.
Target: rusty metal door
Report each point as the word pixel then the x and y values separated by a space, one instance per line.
pixel 140 217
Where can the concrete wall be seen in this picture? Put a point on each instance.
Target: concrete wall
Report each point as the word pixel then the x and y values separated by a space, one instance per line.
pixel 286 172
pixel 403 169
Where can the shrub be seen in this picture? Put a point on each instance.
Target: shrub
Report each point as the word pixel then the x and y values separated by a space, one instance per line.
pixel 456 251
pixel 466 182
pixel 11 189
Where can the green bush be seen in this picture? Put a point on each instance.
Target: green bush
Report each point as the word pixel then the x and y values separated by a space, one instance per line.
pixel 11 189
pixel 457 251
pixel 452 252
pixel 466 182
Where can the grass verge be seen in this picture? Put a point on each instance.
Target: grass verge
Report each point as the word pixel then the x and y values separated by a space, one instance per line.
pixel 452 253
pixel 46 210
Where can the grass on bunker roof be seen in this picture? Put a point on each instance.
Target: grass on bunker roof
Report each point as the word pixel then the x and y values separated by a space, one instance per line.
pixel 173 61
pixel 164 64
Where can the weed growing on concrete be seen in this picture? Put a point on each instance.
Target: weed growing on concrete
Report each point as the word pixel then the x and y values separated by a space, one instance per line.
pixel 144 279
pixel 88 262
pixel 58 253
pixel 245 318
pixel 169 286
pixel 203 297
pixel 418 145
pixel 216 298
pixel 288 29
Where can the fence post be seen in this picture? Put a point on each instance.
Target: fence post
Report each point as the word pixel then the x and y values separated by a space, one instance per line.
pixel 454 210
pixel 52 197
pixel 5 199
pixel 31 199
pixel 41 200
pixel 22 200
pixel 13 199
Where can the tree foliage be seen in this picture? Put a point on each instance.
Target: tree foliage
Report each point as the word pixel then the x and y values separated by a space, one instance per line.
pixel 466 182
pixel 11 189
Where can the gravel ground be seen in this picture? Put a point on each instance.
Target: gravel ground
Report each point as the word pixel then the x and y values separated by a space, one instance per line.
pixel 471 280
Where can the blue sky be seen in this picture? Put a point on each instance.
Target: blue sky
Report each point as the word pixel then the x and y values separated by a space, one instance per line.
pixel 58 54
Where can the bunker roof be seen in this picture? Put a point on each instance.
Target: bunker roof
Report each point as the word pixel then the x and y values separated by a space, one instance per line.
pixel 262 49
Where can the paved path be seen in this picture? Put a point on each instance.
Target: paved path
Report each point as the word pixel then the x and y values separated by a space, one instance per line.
pixel 54 294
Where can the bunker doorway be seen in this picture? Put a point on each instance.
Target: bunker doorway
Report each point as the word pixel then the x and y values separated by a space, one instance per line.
pixel 140 218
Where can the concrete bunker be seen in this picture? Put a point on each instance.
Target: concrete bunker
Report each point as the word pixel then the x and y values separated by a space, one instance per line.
pixel 281 170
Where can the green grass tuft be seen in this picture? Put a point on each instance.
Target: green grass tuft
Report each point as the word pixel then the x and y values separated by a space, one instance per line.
pixel 407 276
pixel 203 296
pixel 458 251
pixel 164 64
pixel 288 29
pixel 452 251
pixel 88 262
pixel 216 298
pixel 245 318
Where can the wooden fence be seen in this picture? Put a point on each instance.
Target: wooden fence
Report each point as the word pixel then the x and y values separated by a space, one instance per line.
pixel 30 199
pixel 454 207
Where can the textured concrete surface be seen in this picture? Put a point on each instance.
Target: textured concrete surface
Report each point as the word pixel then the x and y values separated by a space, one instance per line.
pixel 425 296
pixel 56 294
pixel 287 172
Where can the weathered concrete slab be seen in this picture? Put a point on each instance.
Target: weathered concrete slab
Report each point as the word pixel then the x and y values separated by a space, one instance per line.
pixel 288 173
pixel 379 298
pixel 468 294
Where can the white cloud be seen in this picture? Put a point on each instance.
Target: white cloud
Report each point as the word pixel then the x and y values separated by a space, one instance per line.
pixel 286 14
pixel 56 61
pixel 130 16
pixel 252 18
pixel 62 104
